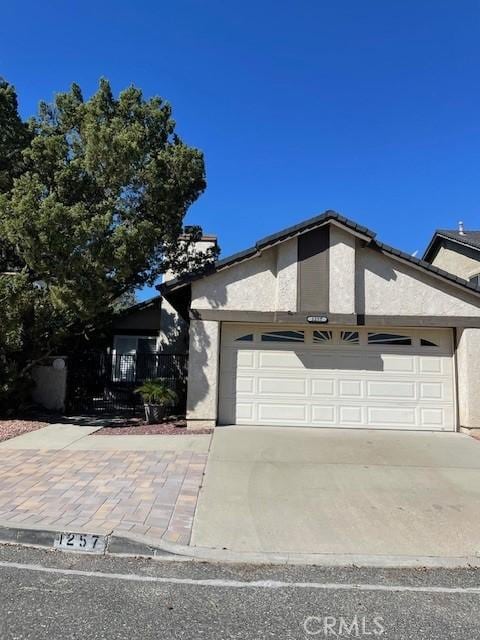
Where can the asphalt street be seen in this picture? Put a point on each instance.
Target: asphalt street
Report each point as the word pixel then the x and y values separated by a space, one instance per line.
pixel 54 595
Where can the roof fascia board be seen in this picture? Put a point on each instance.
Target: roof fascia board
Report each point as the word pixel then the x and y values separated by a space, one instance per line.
pixel 469 245
pixel 353 232
pixel 438 235
pixel 266 243
pixel 431 247
pixel 231 263
pixel 271 241
pixel 329 217
pixel 140 306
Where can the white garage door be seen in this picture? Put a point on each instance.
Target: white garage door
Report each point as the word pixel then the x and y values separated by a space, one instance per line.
pixel 322 377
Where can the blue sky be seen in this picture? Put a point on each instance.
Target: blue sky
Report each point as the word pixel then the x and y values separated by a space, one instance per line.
pixel 369 108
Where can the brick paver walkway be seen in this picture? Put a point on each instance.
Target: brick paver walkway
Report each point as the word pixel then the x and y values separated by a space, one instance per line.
pixel 148 493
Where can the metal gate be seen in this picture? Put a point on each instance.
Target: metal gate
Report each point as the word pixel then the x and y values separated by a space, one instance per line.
pixel 105 383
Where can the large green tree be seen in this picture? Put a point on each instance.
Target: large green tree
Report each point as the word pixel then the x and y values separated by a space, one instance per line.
pixel 93 194
pixel 14 136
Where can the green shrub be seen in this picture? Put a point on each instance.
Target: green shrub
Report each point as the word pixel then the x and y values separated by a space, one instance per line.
pixel 157 392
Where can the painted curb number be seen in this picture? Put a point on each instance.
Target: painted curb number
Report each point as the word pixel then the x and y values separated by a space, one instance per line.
pixel 80 542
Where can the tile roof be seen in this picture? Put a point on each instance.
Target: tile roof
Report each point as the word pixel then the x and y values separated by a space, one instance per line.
pixel 471 238
pixel 138 306
pixel 305 226
pixel 467 238
pixel 263 243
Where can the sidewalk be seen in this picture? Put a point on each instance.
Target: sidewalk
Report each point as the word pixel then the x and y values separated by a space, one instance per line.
pixel 60 478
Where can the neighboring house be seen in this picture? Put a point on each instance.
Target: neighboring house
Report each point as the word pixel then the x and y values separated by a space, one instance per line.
pixel 323 325
pixel 457 252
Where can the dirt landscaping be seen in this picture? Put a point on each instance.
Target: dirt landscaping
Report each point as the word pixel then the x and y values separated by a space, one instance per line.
pixel 13 428
pixel 116 427
pixel 139 428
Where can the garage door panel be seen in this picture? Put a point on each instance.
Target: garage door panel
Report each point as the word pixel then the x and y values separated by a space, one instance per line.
pixel 390 389
pixel 351 415
pixel 393 363
pixel 431 365
pixel 245 411
pixel 323 387
pixel 279 360
pixel 334 384
pixel 324 414
pixel 282 386
pixel 379 416
pixel 350 388
pixel 282 412
pixel 245 384
pixel 245 359
pixel 338 362
pixel 435 391
pixel 432 417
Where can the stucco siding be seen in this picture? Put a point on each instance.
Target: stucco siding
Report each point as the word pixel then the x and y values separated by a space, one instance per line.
pixel 387 287
pixel 174 330
pixel 456 262
pixel 249 285
pixel 203 364
pixel 342 271
pixel 468 375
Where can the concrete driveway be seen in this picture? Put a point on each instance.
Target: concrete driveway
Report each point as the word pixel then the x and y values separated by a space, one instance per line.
pixel 362 492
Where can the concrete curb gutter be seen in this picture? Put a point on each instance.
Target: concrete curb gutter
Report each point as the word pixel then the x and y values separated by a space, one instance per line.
pixel 142 546
pixel 204 554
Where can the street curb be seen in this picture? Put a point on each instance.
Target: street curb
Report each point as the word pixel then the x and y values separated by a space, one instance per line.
pixel 141 546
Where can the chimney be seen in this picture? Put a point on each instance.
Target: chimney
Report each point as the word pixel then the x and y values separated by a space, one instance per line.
pixel 461 229
pixel 205 242
pixel 202 244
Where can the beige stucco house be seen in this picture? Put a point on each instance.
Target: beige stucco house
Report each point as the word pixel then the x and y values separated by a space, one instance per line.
pixel 456 251
pixel 323 325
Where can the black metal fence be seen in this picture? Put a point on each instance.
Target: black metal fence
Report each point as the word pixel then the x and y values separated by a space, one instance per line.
pixel 105 383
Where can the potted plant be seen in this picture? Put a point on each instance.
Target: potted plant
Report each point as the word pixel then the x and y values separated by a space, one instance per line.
pixel 157 397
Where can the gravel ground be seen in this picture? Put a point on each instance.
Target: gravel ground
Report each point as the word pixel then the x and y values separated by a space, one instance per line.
pixel 13 428
pixel 164 428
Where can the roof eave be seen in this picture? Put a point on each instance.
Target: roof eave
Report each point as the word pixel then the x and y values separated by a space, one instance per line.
pixel 140 306
pixel 334 218
pixel 328 217
pixel 439 235
pixel 431 247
